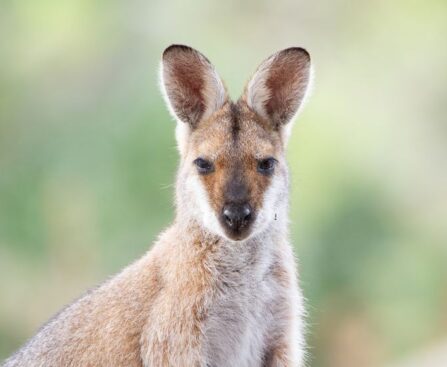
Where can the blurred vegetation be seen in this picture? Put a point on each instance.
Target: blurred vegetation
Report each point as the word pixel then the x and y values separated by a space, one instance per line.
pixel 87 156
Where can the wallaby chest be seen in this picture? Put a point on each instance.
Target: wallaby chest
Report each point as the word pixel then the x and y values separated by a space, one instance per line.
pixel 239 318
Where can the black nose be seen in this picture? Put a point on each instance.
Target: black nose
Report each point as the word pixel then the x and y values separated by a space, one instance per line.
pixel 237 216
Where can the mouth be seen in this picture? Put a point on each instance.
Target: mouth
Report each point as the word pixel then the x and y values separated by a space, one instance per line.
pixel 239 236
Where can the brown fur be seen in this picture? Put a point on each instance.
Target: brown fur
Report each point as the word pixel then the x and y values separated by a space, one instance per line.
pixel 200 298
pixel 237 154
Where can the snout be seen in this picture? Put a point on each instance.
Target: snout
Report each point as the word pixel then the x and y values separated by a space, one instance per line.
pixel 236 218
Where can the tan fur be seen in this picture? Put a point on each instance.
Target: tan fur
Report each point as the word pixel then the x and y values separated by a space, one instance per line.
pixel 199 298
pixel 256 141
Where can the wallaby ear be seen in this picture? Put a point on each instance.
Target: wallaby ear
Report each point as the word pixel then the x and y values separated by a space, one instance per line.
pixel 277 89
pixel 191 86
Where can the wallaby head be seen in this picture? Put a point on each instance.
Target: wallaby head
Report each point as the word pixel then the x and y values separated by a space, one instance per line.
pixel 233 177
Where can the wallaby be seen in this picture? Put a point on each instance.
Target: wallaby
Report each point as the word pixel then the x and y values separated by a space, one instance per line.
pixel 219 287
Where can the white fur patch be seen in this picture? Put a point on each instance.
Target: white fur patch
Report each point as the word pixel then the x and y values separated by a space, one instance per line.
pixel 205 213
pixel 274 205
pixel 164 93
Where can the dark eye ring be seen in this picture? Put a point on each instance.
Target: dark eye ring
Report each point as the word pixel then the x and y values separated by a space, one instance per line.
pixel 267 166
pixel 203 166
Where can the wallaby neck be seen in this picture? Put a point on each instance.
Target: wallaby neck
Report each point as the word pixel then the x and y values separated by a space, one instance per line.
pixel 253 254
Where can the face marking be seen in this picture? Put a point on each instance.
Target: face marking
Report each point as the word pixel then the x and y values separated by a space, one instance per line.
pixel 235 124
pixel 235 141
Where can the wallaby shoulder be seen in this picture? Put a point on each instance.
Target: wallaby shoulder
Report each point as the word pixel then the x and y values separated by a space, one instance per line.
pixel 101 328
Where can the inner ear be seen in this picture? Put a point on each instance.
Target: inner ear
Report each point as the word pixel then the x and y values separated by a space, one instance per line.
pixel 193 89
pixel 277 89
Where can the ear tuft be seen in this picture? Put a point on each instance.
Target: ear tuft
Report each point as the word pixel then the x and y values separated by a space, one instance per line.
pixel 279 85
pixel 193 90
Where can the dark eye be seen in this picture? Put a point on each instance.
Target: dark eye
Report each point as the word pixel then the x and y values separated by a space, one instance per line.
pixel 203 166
pixel 266 166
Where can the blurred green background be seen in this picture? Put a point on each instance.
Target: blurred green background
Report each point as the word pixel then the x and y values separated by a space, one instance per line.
pixel 88 158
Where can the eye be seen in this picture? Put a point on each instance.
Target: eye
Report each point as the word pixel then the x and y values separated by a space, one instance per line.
pixel 267 166
pixel 203 166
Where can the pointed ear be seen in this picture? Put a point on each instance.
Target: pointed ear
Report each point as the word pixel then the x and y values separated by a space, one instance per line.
pixel 277 89
pixel 192 88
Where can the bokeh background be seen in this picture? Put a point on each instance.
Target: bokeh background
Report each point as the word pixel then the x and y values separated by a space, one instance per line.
pixel 88 158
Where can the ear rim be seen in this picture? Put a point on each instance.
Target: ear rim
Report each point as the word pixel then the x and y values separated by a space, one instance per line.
pixel 211 79
pixel 258 82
